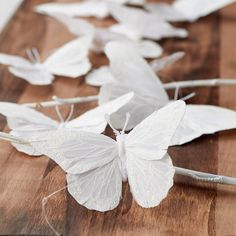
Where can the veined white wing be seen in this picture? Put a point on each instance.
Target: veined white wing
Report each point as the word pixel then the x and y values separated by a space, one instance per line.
pixel 25 123
pixel 133 72
pixel 149 168
pixel 151 138
pixel 149 181
pixel 94 120
pixel 71 59
pixel 203 119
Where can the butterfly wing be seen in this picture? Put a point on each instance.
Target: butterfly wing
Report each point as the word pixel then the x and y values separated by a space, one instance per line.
pixel 149 25
pixel 149 168
pixel 199 8
pixel 16 61
pixel 100 76
pixel 90 160
pixel 203 119
pixel 94 120
pixel 33 75
pixel 25 123
pixel 71 59
pixel 83 9
pixel 149 181
pixel 165 11
pixel 99 189
pixel 151 138
pixel 133 72
pixel 159 64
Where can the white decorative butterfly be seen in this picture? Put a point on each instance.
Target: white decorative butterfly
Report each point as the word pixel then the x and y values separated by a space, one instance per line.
pixel 142 24
pixel 185 10
pixel 103 75
pixel 94 8
pixel 96 164
pixel 70 60
pixel 132 73
pixel 101 36
pixel 26 122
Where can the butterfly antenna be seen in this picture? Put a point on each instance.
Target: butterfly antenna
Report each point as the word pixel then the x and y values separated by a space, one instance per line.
pixel 59 114
pixel 188 96
pixel 176 93
pixel 44 212
pixel 70 114
pixel 126 122
pixel 107 118
pixel 30 55
pixel 36 55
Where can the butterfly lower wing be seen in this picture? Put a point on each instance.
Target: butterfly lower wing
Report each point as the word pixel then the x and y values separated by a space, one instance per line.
pixel 99 189
pixel 151 138
pixel 77 151
pixel 149 181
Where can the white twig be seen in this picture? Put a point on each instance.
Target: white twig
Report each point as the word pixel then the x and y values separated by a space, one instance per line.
pixel 206 177
pixel 60 101
pixel 173 85
pixel 200 83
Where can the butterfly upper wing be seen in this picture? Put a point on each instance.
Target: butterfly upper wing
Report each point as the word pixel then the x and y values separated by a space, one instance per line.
pixel 33 75
pixel 133 72
pixel 16 61
pixel 76 151
pixel 94 120
pixel 83 9
pixel 71 59
pixel 25 123
pixel 91 163
pixel 203 119
pixel 151 138
pixel 199 8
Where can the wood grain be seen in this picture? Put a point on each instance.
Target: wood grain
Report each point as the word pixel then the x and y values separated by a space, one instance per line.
pixel 190 209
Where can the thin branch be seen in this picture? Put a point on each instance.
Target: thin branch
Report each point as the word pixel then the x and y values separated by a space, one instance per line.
pixel 206 177
pixel 200 83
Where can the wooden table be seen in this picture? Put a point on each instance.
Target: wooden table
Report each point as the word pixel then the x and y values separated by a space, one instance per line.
pixel 191 208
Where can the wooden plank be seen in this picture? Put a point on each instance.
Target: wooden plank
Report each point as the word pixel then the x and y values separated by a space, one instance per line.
pixel 190 209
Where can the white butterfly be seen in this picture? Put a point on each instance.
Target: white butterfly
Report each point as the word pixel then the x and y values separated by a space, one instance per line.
pixel 94 8
pixel 70 60
pixel 103 75
pixel 26 122
pixel 96 164
pixel 101 36
pixel 185 10
pixel 142 24
pixel 132 73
